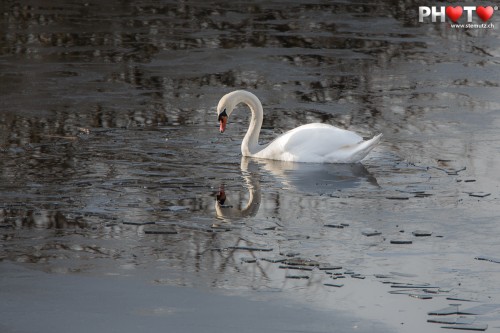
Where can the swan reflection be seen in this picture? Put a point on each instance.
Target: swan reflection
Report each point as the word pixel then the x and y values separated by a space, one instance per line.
pixel 306 178
pixel 316 178
pixel 223 206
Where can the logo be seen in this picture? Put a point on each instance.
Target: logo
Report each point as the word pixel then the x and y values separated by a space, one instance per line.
pixel 456 13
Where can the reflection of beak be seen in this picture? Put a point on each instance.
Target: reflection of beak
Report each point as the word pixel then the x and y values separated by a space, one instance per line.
pixel 221 196
pixel 223 122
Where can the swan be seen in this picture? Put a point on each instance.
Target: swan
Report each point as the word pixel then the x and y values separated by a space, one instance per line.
pixel 311 143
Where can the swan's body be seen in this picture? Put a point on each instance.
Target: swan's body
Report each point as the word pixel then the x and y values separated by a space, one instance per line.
pixel 313 143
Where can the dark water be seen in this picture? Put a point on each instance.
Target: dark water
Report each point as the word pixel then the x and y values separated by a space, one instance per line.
pixel 108 121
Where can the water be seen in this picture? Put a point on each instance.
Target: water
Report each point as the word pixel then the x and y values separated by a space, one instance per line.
pixel 108 131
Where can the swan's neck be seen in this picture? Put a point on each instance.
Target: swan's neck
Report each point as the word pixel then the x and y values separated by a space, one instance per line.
pixel 250 144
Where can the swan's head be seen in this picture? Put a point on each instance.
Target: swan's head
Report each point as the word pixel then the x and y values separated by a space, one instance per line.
pixel 224 109
pixel 223 120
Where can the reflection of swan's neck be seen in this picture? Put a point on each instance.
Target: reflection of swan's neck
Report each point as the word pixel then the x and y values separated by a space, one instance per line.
pixel 252 207
pixel 250 144
pixel 254 200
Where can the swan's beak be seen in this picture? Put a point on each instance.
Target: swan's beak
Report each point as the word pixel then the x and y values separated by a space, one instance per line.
pixel 223 120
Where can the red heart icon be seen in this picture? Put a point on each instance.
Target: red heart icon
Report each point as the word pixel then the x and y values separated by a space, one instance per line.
pixel 454 13
pixel 484 12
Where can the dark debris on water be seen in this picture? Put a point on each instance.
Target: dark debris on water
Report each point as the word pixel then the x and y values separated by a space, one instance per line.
pixel 160 232
pixel 138 223
pixel 297 277
pixel 336 225
pixel 490 259
pixel 421 233
pixel 401 241
pixel 301 262
pixel 370 232
pixel 397 198
pixel 479 194
pixel 244 248
pixel 301 268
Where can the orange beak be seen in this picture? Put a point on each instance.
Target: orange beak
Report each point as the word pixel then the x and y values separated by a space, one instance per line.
pixel 223 122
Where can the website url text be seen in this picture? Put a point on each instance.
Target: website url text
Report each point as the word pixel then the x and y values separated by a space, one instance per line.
pixel 474 26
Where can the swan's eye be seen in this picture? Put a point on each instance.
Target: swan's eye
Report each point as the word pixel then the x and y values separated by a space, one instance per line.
pixel 222 114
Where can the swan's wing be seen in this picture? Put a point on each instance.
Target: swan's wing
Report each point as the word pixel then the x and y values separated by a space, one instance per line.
pixel 318 139
pixel 314 143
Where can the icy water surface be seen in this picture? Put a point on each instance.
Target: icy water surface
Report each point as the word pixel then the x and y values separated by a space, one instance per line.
pixel 112 164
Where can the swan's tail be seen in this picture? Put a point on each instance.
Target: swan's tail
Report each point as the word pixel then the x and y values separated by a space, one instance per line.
pixel 359 151
pixel 365 147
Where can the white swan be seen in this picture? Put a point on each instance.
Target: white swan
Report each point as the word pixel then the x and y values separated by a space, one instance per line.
pixel 313 143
